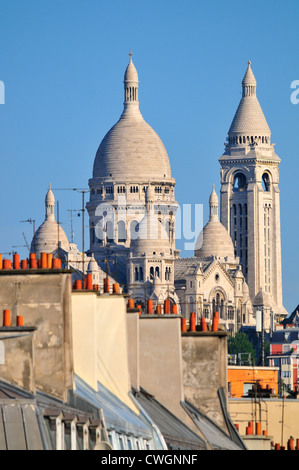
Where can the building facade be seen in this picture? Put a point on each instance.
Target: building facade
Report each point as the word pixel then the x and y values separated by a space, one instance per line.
pixel 236 268
pixel 250 201
pixel 213 279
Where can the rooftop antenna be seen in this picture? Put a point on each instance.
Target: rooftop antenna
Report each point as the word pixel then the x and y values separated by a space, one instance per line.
pixel 31 221
pixel 26 241
pixel 82 191
pixel 72 229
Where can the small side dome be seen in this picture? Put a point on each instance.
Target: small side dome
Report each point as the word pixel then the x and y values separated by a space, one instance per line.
pixel 50 234
pixel 93 266
pixel 214 239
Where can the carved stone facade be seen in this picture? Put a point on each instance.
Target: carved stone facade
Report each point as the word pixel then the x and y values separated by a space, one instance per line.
pixel 132 208
pixel 250 205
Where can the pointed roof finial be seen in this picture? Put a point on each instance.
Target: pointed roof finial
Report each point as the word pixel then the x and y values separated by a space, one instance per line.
pixel 131 55
pixel 249 78
pixel 213 203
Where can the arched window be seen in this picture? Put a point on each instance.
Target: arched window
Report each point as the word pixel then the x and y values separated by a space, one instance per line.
pixel 136 273
pixel 122 232
pixel 167 273
pixel 157 271
pixel 151 272
pixel 266 182
pixel 134 229
pixel 218 303
pixel 240 182
pixel 141 274
pixel 110 231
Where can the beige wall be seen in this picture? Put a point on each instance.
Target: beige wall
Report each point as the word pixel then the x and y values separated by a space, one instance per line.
pixel 133 347
pixel 161 360
pixel 44 301
pixel 205 371
pixel 84 320
pixel 271 413
pixel 100 339
pixel 17 357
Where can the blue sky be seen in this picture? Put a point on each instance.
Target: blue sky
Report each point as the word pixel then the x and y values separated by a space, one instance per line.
pixel 62 64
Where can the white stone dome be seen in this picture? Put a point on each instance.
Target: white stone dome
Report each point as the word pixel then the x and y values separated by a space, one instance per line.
pixel 214 239
pixel 50 234
pixel 46 238
pixel 131 148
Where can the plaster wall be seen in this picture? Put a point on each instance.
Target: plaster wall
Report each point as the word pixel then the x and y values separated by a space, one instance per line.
pixel 100 338
pixel 161 360
pixel 84 336
pixel 133 347
pixel 44 300
pixel 17 357
pixel 238 375
pixel 204 356
pixel 279 417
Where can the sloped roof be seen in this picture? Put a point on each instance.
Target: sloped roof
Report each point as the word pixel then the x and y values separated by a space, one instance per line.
pixel 118 416
pixel 216 437
pixel 176 434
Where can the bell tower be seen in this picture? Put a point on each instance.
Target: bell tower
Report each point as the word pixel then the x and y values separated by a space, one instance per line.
pixel 250 202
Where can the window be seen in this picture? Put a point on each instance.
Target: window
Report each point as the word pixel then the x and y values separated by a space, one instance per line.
pixel 246 388
pixel 134 229
pixel 240 183
pixel 266 182
pixel 110 231
pixel 130 443
pixel 230 313
pixel 134 189
pixel 83 436
pixel 109 189
pixel 122 232
pixel 70 435
pixel 121 442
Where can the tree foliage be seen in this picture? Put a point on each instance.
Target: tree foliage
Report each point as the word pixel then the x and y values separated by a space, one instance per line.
pixel 239 343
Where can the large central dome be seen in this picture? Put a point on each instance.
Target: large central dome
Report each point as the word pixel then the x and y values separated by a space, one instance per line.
pixel 131 147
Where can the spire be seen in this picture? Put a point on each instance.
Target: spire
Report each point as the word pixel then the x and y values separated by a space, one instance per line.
pixel 249 82
pixel 131 82
pixel 214 204
pixel 50 203
pixel 249 125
